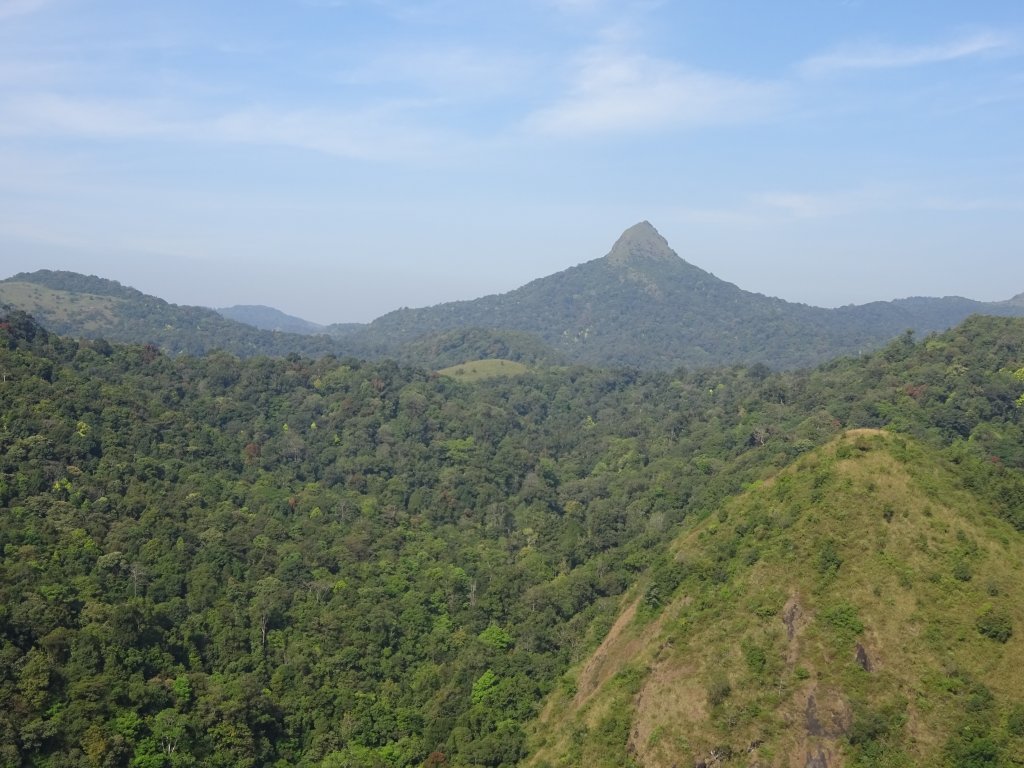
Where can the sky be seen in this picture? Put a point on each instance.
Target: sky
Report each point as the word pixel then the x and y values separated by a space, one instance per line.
pixel 338 159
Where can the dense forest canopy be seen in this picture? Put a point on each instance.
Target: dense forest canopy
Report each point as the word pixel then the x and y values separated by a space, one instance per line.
pixel 328 562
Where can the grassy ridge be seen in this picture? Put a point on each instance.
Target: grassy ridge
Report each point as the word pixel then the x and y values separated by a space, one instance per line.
pixel 481 370
pixel 62 309
pixel 862 605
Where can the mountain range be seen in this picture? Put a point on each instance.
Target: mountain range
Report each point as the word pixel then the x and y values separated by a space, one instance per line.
pixel 640 305
pixel 270 319
pixel 323 563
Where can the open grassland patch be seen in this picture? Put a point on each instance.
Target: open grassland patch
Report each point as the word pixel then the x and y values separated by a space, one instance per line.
pixel 57 309
pixel 480 370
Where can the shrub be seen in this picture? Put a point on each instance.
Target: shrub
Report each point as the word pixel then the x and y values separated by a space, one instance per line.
pixel 843 618
pixel 718 691
pixel 1015 720
pixel 962 571
pixel 995 624
pixel 828 558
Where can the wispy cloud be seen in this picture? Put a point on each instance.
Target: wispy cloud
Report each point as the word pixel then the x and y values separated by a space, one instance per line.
pixel 11 8
pixel 775 206
pixel 378 133
pixel 973 205
pixel 878 56
pixel 450 71
pixel 613 92
pixel 575 6
pixel 804 206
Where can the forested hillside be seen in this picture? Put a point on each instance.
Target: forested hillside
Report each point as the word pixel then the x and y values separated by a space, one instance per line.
pixel 92 307
pixel 640 305
pixel 324 562
pixel 269 319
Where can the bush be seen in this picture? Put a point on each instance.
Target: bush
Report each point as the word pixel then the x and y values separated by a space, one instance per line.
pixel 962 571
pixel 995 624
pixel 718 691
pixel 1015 720
pixel 828 558
pixel 843 618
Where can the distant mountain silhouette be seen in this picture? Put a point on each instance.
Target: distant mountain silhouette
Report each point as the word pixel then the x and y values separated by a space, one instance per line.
pixel 640 305
pixel 72 304
pixel 269 319
pixel 643 305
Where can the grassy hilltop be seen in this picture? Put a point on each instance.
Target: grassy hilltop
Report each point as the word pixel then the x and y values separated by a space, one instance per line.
pixel 856 609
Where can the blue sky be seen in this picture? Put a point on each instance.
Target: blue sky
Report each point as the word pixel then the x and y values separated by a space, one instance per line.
pixel 341 158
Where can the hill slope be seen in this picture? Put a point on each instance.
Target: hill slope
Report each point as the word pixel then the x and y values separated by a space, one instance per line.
pixel 269 319
pixel 298 562
pixel 861 608
pixel 71 304
pixel 642 305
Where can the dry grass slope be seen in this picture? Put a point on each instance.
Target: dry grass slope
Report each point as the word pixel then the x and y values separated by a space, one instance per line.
pixel 833 616
pixel 57 309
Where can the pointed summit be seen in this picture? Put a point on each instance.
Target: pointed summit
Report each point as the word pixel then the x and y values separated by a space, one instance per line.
pixel 641 242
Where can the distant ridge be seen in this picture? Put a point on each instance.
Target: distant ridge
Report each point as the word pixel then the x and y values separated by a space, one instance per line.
pixel 640 305
pixel 269 319
pixel 88 306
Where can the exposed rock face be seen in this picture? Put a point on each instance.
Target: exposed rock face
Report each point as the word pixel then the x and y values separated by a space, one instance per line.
pixel 827 714
pixel 638 243
pixel 812 723
pixel 790 614
pixel 863 659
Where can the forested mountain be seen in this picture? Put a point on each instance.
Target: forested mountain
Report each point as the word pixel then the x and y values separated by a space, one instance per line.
pixel 269 319
pixel 93 307
pixel 641 305
pixel 318 562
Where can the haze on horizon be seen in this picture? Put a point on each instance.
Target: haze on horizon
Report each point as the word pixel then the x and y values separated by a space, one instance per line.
pixel 337 159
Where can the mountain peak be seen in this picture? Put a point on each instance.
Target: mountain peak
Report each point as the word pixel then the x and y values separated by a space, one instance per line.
pixel 641 242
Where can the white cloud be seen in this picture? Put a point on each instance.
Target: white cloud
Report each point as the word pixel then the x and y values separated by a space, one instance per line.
pixel 877 56
pixel 378 133
pixel 614 92
pixel 973 205
pixel 802 206
pixel 54 114
pixel 450 71
pixel 375 134
pixel 11 8
pixel 786 205
pixel 576 6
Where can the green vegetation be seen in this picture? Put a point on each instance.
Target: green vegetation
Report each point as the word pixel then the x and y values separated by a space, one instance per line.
pixel 641 305
pixel 270 319
pixel 480 370
pixel 996 624
pixel 91 307
pixel 327 562
pixel 848 660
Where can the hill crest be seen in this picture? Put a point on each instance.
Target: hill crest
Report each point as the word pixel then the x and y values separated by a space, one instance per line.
pixel 640 243
pixel 828 616
pixel 640 305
